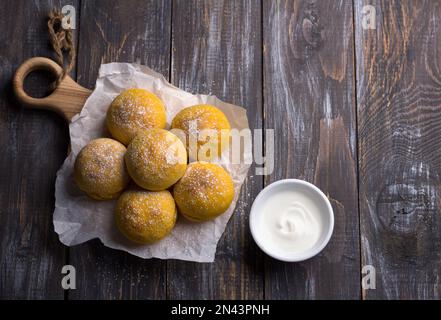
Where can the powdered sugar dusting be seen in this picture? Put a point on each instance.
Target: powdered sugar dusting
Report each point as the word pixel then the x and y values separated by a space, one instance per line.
pixel 144 209
pixel 100 167
pixel 134 110
pixel 200 181
pixel 154 155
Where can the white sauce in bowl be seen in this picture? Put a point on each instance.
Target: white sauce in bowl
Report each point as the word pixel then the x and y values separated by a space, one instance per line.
pixel 291 220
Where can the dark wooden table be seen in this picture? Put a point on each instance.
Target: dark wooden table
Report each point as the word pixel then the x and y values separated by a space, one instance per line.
pixel 356 111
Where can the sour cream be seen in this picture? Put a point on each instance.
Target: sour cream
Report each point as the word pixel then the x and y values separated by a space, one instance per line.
pixel 291 220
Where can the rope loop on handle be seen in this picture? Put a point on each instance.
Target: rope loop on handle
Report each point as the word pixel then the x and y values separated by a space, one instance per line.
pixel 62 41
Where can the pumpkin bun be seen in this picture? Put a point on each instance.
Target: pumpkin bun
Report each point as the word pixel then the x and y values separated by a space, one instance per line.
pixel 204 192
pixel 134 110
pixel 145 216
pixel 193 120
pixel 99 169
pixel 156 159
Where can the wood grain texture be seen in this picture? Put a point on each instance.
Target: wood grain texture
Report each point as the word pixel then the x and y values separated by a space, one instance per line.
pixel 217 50
pixel 31 257
pixel 309 101
pixel 399 112
pixel 110 31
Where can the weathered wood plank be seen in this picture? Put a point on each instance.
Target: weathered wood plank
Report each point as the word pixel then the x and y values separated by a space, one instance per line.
pixel 309 101
pixel 399 127
pixel 217 50
pixel 31 257
pixel 111 31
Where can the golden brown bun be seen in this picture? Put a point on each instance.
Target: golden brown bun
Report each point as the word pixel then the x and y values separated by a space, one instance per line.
pixel 204 192
pixel 203 117
pixel 99 169
pixel 145 216
pixel 156 159
pixel 134 110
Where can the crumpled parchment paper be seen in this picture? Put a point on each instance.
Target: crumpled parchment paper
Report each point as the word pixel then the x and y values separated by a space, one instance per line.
pixel 78 218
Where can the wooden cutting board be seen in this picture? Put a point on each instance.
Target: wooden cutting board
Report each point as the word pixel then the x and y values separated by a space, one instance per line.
pixel 67 99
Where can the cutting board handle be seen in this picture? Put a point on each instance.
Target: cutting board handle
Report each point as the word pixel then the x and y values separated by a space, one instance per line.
pixel 67 99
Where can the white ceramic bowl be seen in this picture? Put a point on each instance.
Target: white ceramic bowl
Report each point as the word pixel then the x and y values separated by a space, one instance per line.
pixel 319 198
